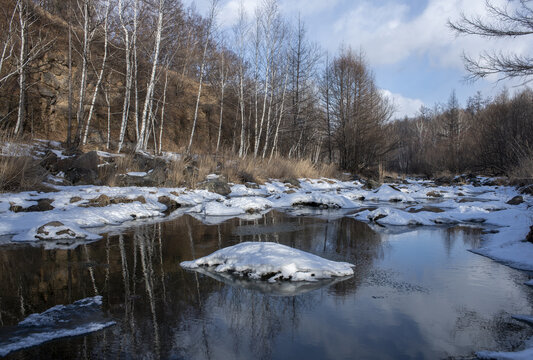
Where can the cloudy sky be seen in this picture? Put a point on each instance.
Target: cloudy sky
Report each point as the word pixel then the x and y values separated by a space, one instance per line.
pixel 415 57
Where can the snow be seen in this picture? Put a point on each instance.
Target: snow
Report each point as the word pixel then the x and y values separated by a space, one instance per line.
pixel 526 354
pixel 529 283
pixel 391 205
pixel 388 193
pixel 273 261
pixel 314 198
pixel 60 155
pixel 105 154
pixel 79 318
pixel 525 318
pixel 60 231
pixel 138 173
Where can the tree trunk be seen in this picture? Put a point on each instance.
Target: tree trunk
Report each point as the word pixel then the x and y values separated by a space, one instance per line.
pixel 22 69
pixel 151 84
pixel 100 75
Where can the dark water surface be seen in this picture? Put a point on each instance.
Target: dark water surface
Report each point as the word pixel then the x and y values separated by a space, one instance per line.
pixel 415 295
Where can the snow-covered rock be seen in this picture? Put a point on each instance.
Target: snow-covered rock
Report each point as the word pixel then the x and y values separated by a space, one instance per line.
pixel 273 261
pixel 79 318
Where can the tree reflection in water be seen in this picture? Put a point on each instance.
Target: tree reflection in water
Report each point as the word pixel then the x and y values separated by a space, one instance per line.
pixel 163 311
pixel 416 292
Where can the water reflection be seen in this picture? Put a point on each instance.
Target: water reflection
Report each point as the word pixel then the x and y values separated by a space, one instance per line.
pixel 279 288
pixel 388 308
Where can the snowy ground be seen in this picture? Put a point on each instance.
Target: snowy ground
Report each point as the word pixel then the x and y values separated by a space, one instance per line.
pixel 81 213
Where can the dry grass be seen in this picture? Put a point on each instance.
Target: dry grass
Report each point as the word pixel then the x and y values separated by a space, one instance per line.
pixel 20 174
pixel 189 172
pixel 524 170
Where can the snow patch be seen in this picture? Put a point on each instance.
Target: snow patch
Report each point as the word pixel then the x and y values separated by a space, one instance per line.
pixel 273 261
pixel 79 318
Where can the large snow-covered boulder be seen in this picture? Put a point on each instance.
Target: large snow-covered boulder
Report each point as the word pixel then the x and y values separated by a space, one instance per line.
pixel 271 261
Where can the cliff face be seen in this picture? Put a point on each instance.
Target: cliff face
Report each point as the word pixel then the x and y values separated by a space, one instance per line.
pixel 47 105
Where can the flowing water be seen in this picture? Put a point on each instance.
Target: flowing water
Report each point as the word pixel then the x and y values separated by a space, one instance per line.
pixel 417 293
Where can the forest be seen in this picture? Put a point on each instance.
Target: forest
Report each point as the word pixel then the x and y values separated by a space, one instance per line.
pixel 155 75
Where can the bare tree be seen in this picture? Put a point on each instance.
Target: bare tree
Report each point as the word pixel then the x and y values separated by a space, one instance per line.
pixel 8 43
pixel 213 9
pixel 128 75
pixel 503 23
pixel 223 79
pixel 143 134
pixel 240 32
pixel 88 33
pixel 101 73
pixel 23 23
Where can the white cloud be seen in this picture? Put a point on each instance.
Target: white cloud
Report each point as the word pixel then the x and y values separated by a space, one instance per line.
pixel 404 106
pixel 389 35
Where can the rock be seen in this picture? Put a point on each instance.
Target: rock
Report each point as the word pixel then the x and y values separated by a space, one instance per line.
pixel 42 205
pixel 434 194
pixel 81 176
pixel 100 201
pixel 527 190
pixel 45 91
pixel 156 178
pixel 290 191
pixel 371 184
pixel 490 182
pixel 529 236
pixel 169 203
pixel 146 162
pixel 125 200
pixel 56 229
pixel 15 208
pixel 294 182
pixel 75 199
pixel 517 200
pixel 432 209
pixel 49 162
pixel 377 217
pixel 443 181
pixel 89 160
pixel 217 186
pixel 251 185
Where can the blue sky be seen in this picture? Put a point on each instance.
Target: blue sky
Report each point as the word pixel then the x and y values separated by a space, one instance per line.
pixel 415 57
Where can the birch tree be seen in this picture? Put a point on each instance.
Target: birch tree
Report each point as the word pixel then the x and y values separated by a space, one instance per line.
pixel 223 75
pixel 143 134
pixel 23 29
pixel 101 73
pixel 209 28
pixel 240 33
pixel 128 75
pixel 88 34
pixel 8 43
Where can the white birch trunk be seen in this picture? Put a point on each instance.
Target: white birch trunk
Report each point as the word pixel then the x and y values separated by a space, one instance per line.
pixel 22 69
pixel 222 86
pixel 100 74
pixel 212 14
pixel 126 104
pixel 163 113
pixel 83 81
pixel 151 84
pixel 276 135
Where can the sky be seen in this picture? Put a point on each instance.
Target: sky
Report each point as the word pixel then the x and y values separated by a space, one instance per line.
pixel 415 57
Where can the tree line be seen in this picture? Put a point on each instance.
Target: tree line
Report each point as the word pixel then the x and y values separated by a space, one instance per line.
pixel 491 136
pixel 153 75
